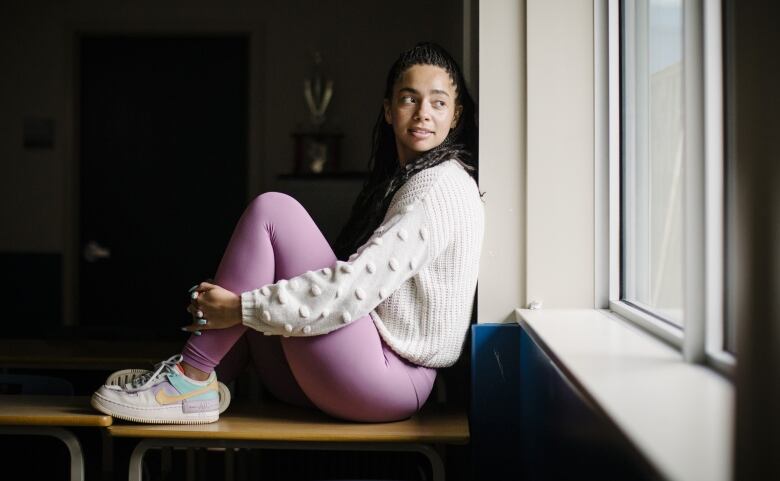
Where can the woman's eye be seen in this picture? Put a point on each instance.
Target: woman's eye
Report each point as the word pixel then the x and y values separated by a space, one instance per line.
pixel 440 103
pixel 406 99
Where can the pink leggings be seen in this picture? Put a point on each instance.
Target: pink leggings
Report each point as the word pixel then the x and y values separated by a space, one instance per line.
pixel 349 373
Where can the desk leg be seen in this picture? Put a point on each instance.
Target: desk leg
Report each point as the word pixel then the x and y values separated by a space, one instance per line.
pixel 230 464
pixel 107 444
pixel 136 459
pixel 71 442
pixel 437 465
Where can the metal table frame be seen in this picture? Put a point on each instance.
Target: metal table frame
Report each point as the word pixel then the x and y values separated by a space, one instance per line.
pixel 67 437
pixel 136 459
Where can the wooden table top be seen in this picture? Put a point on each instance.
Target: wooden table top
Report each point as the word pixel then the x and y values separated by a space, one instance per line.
pixel 278 422
pixel 50 411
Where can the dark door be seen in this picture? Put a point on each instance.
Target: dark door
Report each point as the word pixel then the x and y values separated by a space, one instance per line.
pixel 163 146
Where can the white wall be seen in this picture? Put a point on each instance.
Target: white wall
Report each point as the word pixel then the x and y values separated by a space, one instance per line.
pixel 358 40
pixel 502 158
pixel 536 155
pixel 560 171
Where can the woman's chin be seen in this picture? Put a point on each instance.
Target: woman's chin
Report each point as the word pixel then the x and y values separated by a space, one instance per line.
pixel 419 148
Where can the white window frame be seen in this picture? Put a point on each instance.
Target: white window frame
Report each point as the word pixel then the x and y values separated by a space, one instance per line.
pixel 701 340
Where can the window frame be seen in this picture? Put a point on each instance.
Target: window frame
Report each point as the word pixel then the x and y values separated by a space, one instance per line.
pixel 702 338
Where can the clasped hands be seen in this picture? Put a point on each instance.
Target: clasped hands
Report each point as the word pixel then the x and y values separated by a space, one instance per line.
pixel 212 307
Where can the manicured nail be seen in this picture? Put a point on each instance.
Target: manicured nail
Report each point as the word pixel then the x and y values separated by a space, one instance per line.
pixel 202 322
pixel 194 295
pixel 197 333
pixel 199 313
pixel 184 328
pixel 193 288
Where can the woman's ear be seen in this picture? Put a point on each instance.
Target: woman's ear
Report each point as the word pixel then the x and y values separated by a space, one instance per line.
pixel 456 117
pixel 388 115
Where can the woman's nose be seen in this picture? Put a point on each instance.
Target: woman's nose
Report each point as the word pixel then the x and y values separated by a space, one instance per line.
pixel 422 112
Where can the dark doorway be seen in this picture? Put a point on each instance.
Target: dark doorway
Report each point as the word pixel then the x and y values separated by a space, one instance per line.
pixel 163 165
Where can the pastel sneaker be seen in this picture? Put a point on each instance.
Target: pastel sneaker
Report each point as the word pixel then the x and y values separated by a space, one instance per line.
pixel 164 396
pixel 126 376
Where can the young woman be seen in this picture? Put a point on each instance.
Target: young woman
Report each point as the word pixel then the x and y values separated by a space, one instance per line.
pixel 358 337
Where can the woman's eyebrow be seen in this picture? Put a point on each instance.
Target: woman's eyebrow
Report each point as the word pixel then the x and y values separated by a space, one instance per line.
pixel 440 92
pixel 416 92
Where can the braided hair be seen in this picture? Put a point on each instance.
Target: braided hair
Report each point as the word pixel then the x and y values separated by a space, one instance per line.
pixel 386 175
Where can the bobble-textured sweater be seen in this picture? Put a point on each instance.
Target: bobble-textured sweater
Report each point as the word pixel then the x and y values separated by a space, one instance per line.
pixel 416 276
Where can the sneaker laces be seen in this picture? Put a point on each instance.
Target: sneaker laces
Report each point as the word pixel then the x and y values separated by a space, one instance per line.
pixel 161 369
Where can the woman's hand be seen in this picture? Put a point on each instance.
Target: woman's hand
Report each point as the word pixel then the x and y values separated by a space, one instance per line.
pixel 218 307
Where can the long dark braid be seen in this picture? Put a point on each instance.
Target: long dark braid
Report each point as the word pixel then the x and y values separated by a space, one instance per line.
pixel 386 175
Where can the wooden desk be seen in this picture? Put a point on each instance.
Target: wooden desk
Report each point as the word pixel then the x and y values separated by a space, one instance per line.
pixel 277 426
pixel 47 416
pixel 62 411
pixel 277 422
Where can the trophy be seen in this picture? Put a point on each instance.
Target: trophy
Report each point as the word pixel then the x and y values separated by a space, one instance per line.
pixel 316 151
pixel 318 91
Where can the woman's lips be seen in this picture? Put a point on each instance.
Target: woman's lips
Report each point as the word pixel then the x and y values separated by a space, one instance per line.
pixel 420 133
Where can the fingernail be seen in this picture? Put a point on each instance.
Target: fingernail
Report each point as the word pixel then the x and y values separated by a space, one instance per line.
pixel 193 288
pixel 184 328
pixel 194 295
pixel 197 333
pixel 202 321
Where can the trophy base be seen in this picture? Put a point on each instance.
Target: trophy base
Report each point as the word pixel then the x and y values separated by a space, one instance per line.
pixel 316 152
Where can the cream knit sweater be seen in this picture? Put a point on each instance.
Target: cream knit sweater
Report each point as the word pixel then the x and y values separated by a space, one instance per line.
pixel 416 276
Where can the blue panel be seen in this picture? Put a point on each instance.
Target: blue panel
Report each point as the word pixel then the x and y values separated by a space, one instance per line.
pixel 527 422
pixel 563 437
pixel 495 401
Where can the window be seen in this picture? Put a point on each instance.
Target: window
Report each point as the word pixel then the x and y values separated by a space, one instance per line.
pixel 652 157
pixel 666 166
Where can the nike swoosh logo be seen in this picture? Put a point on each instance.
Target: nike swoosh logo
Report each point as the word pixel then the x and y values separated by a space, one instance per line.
pixel 164 398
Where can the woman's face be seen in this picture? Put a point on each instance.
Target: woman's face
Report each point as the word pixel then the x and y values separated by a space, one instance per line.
pixel 422 110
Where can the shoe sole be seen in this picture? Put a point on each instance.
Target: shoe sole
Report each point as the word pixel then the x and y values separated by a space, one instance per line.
pixel 125 376
pixel 163 415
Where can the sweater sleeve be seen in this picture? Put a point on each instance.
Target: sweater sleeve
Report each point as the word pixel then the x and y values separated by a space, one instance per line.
pixel 317 302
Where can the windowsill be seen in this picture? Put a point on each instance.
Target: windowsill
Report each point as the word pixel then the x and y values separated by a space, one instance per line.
pixel 678 415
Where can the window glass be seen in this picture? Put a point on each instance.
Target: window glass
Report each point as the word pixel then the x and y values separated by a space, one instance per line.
pixel 652 156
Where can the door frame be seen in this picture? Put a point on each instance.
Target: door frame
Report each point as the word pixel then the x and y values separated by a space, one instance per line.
pixel 254 33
